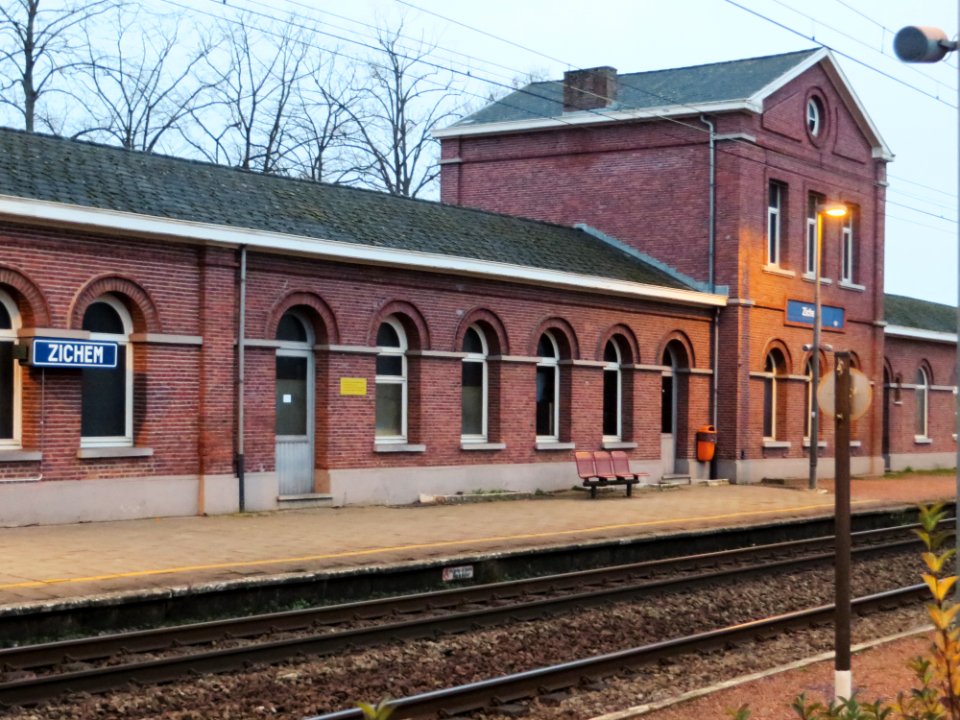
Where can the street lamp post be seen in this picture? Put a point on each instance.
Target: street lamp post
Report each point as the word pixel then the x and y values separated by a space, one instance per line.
pixel 831 210
pixel 927 45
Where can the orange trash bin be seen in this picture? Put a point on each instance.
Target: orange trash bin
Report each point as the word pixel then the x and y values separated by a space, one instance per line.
pixel 706 443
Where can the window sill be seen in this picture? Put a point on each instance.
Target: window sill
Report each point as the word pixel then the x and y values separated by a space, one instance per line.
pixel 921 440
pixel 777 270
pixel 97 453
pixel 813 278
pixel 618 445
pixel 465 445
pixel 15 455
pixel 399 447
pixel 820 444
pixel 776 444
pixel 552 445
pixel 852 286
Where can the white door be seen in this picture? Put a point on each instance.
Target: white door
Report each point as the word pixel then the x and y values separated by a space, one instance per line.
pixel 294 416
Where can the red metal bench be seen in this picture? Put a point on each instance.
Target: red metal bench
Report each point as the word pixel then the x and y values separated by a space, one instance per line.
pixel 600 468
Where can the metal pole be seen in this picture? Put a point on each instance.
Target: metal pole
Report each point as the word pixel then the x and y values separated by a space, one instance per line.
pixel 842 675
pixel 815 360
pixel 956 397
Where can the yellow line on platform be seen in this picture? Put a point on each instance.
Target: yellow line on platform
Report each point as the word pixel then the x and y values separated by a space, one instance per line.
pixel 400 548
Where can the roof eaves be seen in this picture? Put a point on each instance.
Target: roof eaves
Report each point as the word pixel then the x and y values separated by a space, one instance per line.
pixel 594 117
pixel 65 215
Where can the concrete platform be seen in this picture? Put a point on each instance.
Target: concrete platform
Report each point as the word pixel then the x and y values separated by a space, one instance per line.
pixel 43 564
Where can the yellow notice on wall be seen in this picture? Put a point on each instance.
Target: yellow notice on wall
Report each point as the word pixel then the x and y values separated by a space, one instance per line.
pixel 353 386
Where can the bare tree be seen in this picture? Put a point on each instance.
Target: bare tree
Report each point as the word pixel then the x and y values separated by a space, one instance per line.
pixel 136 96
pixel 321 127
pixel 405 98
pixel 37 48
pixel 252 92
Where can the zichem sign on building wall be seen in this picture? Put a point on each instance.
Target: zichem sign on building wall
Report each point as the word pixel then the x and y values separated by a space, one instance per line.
pixel 802 313
pixel 55 353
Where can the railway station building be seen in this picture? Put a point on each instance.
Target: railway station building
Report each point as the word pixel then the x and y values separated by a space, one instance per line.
pixel 617 261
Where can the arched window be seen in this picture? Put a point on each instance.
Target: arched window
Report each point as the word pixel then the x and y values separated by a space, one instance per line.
pixel 473 382
pixel 106 416
pixel 391 382
pixel 773 394
pixel 9 374
pixel 612 391
pixel 548 388
pixel 922 391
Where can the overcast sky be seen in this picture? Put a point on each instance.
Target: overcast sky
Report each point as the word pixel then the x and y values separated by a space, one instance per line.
pixel 914 107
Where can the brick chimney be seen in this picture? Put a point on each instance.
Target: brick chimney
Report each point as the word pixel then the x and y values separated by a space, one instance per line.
pixel 589 89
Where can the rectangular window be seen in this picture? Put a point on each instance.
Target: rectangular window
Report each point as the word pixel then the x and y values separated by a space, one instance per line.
pixel 814 200
pixel 849 247
pixel 104 407
pixel 6 390
pixel 769 408
pixel 666 404
pixel 774 222
pixel 471 414
pixel 291 396
pixel 546 401
pixel 611 403
pixel 389 409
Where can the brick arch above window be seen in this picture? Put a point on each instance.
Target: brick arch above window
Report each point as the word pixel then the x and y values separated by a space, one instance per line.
pixel 629 347
pixel 142 309
pixel 563 333
pixel 410 317
pixel 31 304
pixel 313 309
pixel 495 332
pixel 678 337
pixel 781 347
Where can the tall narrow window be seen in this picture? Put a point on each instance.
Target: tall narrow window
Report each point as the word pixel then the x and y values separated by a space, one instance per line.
pixel 810 251
pixel 391 382
pixel 808 399
pixel 814 116
pixel 9 373
pixel 922 390
pixel 612 392
pixel 473 382
pixel 774 222
pixel 548 388
pixel 773 399
pixel 106 416
pixel 848 243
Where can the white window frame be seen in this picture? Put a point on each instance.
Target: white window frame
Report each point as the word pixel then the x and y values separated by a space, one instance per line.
pixel 810 245
pixel 810 400
pixel 615 366
pixel 774 222
pixel 814 117
pixel 484 409
pixel 847 267
pixel 14 442
pixel 771 377
pixel 126 347
pixel 401 380
pixel 554 364
pixel 290 348
pixel 923 391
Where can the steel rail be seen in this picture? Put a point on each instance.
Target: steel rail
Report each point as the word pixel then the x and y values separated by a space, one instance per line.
pixel 158 639
pixel 36 689
pixel 473 696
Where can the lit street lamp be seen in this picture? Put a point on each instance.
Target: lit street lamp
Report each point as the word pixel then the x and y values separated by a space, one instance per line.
pixel 836 210
pixel 929 44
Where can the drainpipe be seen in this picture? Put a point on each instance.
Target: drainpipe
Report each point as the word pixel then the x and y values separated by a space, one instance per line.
pixel 711 277
pixel 241 348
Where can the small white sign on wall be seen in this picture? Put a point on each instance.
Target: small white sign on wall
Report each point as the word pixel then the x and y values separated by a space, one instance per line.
pixel 287 398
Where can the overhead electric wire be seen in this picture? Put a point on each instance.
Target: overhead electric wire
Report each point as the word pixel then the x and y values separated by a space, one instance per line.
pixel 524 91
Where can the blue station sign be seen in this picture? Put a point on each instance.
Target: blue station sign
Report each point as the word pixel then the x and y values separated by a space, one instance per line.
pixel 57 353
pixel 802 313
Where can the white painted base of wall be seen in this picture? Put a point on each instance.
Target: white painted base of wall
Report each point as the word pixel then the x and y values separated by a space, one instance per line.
pixel 923 461
pixel 745 472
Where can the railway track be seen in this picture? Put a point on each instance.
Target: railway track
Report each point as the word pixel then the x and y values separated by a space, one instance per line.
pixel 37 673
pixel 450 701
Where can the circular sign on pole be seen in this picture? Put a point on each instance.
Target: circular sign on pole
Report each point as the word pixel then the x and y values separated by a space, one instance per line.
pixel 860 394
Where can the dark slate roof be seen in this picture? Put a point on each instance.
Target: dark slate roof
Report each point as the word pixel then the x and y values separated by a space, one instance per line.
pixel 716 82
pixel 921 314
pixel 49 168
